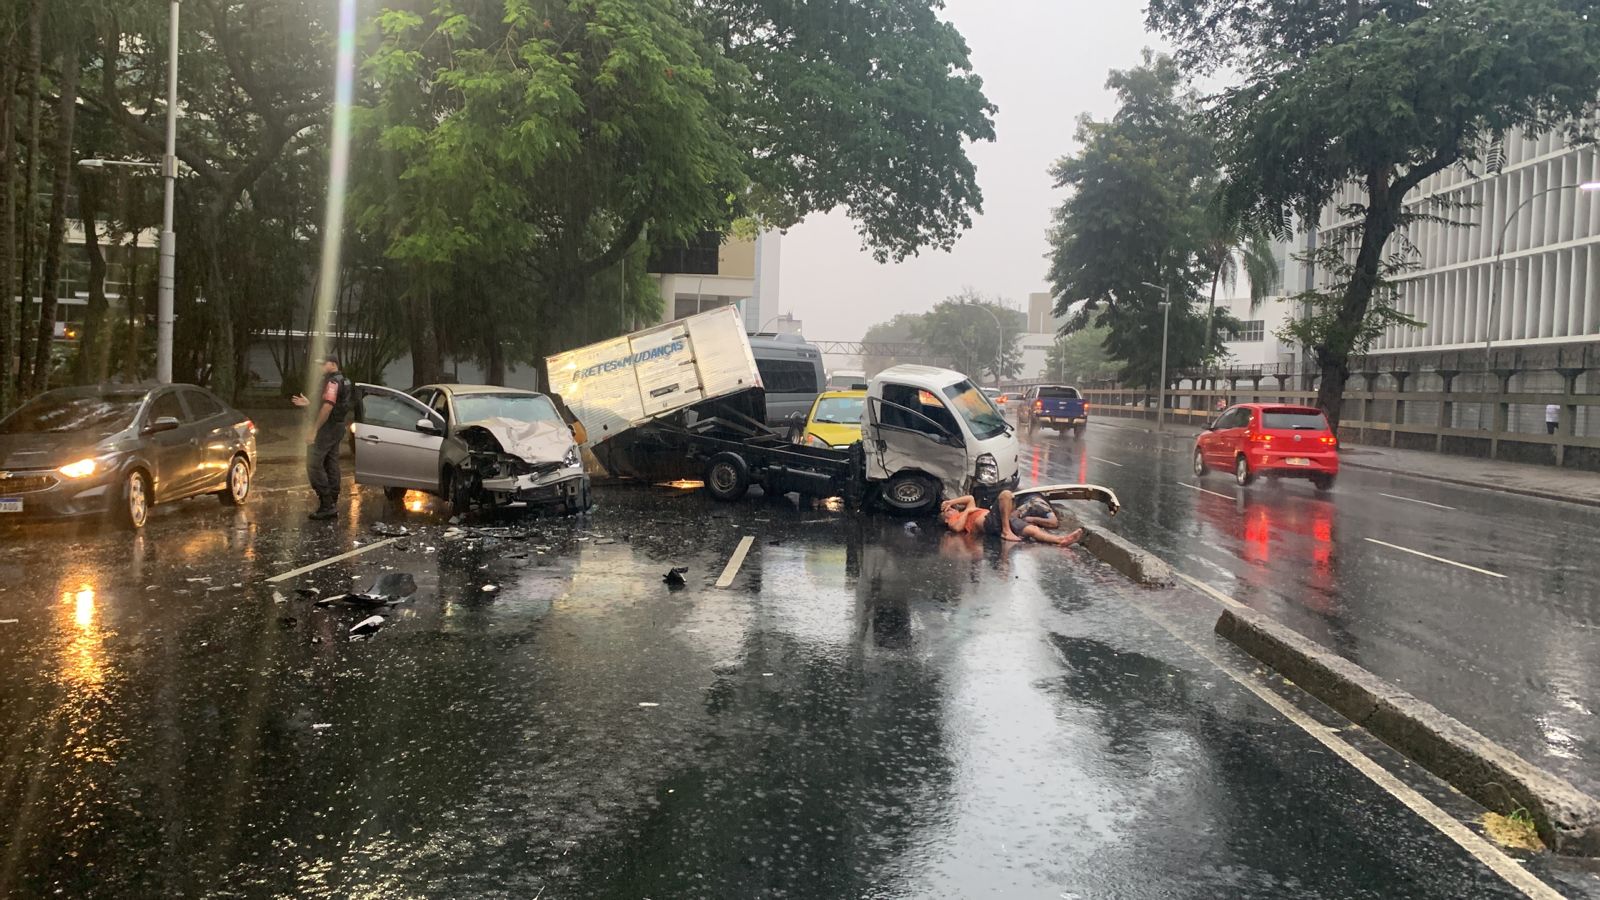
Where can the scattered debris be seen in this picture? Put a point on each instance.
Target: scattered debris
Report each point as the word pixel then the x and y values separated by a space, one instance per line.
pixel 911 528
pixel 649 705
pixel 390 588
pixel 386 530
pixel 287 623
pixel 204 580
pixel 278 597
pixel 367 626
pixel 309 592
pixel 9 621
pixel 774 543
pixel 490 588
pixel 766 674
pixel 674 576
pixel 321 726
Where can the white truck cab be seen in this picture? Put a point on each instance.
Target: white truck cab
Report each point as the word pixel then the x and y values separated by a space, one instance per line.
pixel 928 432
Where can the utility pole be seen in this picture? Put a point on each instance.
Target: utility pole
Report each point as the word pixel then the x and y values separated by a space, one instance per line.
pixel 166 280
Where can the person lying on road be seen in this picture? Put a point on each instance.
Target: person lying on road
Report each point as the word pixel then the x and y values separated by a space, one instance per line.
pixel 1032 521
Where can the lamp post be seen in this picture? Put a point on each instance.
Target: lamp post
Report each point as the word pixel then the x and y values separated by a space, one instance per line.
pixel 1166 318
pixel 1587 187
pixel 1000 348
pixel 167 277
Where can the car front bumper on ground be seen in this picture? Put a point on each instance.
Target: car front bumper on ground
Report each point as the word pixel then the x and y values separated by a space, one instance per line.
pixel 46 494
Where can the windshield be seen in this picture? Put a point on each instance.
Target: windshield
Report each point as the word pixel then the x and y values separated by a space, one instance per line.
pixel 1293 420
pixel 982 416
pixel 839 410
pixel 74 414
pixel 516 407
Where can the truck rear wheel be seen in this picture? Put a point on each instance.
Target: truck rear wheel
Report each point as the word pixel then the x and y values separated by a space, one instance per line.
pixel 909 493
pixel 728 476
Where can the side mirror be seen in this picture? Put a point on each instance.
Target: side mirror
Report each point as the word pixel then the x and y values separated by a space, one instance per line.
pixel 427 425
pixel 165 423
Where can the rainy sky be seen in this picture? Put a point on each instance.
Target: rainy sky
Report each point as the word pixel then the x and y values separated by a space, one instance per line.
pixel 1043 62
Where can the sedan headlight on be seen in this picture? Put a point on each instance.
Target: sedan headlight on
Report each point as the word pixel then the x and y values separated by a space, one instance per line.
pixel 988 471
pixel 83 468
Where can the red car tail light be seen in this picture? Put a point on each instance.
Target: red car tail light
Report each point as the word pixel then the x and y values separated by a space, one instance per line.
pixel 1330 440
pixel 1258 438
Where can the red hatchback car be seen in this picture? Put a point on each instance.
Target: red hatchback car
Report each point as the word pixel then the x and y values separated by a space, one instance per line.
pixel 1254 439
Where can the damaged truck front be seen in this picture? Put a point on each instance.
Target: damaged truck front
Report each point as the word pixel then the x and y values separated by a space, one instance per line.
pixel 685 401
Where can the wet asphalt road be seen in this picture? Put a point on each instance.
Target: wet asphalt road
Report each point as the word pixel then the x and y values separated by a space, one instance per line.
pixel 866 712
pixel 1517 657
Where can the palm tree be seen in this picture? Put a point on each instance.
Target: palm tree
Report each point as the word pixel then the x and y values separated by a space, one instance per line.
pixel 1232 247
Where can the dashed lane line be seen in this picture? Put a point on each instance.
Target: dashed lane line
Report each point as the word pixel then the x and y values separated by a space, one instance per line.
pixel 1196 487
pixel 1108 462
pixel 1414 500
pixel 735 561
pixel 1440 559
pixel 293 573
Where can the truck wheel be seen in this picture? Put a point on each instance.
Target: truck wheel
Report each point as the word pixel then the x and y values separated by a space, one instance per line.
pixel 728 476
pixel 909 493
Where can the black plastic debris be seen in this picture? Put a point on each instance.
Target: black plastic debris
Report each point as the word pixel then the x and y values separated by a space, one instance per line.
pixel 308 592
pixel 387 530
pixel 390 587
pixel 287 623
pixel 674 576
pixel 367 627
pixel 911 528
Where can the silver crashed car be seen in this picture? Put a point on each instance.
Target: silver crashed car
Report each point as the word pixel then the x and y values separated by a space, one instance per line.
pixel 473 445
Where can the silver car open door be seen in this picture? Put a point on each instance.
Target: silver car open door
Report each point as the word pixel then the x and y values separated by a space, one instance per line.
pixel 397 440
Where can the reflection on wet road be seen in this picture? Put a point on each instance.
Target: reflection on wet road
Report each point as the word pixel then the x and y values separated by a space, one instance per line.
pixel 866 711
pixel 1401 575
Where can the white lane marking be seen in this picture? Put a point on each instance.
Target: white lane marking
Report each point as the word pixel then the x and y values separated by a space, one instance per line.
pixel 1210 591
pixel 1196 487
pixel 330 561
pixel 735 561
pixel 1412 500
pixel 1108 462
pixel 1448 562
pixel 1464 837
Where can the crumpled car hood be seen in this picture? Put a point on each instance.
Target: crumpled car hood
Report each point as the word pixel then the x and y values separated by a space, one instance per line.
pixel 535 442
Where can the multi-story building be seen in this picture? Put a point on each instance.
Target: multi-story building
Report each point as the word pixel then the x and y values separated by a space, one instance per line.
pixel 719 271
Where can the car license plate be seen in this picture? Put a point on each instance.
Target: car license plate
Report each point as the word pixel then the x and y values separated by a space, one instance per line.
pixel 1298 461
pixel 10 504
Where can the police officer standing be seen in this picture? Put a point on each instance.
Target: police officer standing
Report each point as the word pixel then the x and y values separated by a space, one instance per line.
pixel 322 444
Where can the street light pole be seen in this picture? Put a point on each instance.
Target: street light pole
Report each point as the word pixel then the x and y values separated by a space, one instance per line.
pixel 167 272
pixel 1166 318
pixel 1588 187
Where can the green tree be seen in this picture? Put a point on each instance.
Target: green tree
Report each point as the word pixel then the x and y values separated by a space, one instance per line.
pixel 1081 356
pixel 1136 216
pixel 1381 94
pixel 984 335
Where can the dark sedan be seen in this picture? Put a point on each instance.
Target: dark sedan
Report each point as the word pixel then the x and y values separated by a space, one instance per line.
pixel 118 450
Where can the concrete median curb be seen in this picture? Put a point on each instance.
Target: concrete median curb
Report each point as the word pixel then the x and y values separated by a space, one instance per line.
pixel 1568 819
pixel 1128 558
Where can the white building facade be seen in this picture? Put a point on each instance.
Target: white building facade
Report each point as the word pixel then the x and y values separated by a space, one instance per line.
pixel 1546 288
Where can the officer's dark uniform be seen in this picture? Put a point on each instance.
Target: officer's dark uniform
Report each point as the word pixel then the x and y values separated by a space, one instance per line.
pixel 322 457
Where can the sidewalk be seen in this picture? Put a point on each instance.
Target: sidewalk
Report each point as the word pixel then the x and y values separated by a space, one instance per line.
pixel 1545 482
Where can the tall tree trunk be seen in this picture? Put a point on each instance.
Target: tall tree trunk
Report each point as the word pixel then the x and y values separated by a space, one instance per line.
pixel 66 117
pixel 427 365
pixel 1333 354
pixel 1211 310
pixel 497 361
pixel 8 232
pixel 131 349
pixel 90 365
pixel 32 71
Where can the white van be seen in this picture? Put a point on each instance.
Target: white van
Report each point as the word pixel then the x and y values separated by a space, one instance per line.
pixel 932 430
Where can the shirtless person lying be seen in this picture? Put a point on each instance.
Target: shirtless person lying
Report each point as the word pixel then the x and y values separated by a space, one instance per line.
pixel 1035 519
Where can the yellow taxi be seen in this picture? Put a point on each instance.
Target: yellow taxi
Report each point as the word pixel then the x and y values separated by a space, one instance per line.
pixel 835 420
